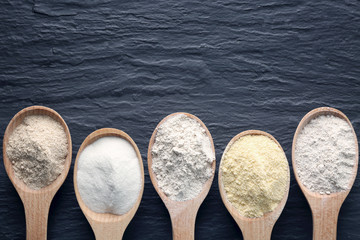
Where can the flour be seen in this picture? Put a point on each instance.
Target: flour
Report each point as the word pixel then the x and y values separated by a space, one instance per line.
pixel 182 157
pixel 37 149
pixel 109 176
pixel 325 154
pixel 255 175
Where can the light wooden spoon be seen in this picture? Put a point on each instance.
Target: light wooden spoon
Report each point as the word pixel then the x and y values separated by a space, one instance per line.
pixel 36 202
pixel 253 228
pixel 325 208
pixel 182 213
pixel 108 226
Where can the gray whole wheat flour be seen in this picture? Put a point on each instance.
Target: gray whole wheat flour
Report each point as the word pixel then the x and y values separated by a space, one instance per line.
pixel 37 149
pixel 182 157
pixel 325 154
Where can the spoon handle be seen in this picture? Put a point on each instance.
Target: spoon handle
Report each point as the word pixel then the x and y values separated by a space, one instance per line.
pixel 183 224
pixel 259 230
pixel 325 218
pixel 36 214
pixel 108 230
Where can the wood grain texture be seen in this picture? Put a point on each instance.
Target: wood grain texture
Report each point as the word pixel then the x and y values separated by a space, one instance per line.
pixel 182 213
pixel 36 202
pixel 254 228
pixel 325 208
pixel 108 226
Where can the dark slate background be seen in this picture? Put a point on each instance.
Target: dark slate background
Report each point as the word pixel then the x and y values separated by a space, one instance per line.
pixel 237 65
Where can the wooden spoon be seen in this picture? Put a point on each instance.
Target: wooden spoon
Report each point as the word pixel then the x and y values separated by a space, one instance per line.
pixel 182 213
pixel 36 202
pixel 253 228
pixel 107 226
pixel 325 208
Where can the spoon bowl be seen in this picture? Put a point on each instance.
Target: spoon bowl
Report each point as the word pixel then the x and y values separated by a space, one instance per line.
pixel 182 213
pixel 253 228
pixel 325 208
pixel 107 226
pixel 36 202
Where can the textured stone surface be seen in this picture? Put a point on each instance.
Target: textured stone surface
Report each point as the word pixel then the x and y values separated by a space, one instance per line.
pixel 237 65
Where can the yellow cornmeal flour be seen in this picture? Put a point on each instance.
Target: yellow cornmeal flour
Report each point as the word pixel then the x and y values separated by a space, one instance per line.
pixel 254 175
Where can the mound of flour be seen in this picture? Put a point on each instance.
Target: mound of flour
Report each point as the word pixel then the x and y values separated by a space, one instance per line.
pixel 182 157
pixel 109 175
pixel 325 154
pixel 37 150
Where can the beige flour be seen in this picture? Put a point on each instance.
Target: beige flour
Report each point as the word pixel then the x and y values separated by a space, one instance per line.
pixel 255 175
pixel 37 149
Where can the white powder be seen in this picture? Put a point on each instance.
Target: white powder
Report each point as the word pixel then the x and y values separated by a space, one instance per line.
pixel 182 157
pixel 37 149
pixel 109 176
pixel 325 154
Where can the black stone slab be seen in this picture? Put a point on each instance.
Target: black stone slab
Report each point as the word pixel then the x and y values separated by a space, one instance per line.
pixel 237 65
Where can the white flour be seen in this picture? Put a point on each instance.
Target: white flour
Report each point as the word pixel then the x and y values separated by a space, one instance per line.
pixel 37 149
pixel 182 157
pixel 109 176
pixel 325 154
